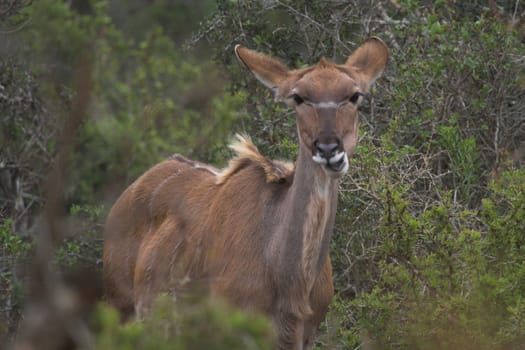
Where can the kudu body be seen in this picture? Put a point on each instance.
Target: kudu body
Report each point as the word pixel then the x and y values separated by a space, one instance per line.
pixel 256 233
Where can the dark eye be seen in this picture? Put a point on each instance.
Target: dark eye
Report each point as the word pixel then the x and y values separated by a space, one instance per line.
pixel 355 97
pixel 297 99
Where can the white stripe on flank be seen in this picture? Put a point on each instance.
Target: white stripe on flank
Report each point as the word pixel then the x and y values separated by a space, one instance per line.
pixel 199 166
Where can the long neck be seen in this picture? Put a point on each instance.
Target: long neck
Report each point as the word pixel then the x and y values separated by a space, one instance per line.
pixel 306 222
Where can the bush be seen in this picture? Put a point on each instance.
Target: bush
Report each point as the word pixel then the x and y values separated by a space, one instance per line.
pixel 193 325
pixel 14 252
pixel 446 279
pixel 27 132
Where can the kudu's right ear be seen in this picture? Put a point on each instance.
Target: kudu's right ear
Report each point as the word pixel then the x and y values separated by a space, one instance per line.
pixel 267 70
pixel 369 60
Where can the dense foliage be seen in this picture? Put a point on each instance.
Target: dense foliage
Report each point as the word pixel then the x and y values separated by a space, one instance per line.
pixel 196 325
pixel 428 252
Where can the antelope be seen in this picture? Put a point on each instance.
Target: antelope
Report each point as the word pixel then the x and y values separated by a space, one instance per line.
pixel 257 232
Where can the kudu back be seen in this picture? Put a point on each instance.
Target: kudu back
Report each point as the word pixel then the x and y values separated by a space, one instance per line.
pixel 257 232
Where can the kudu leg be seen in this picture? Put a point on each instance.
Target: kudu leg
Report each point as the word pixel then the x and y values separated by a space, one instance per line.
pixel 290 332
pixel 320 298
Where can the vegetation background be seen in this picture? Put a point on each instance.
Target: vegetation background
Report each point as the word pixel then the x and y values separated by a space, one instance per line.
pixel 429 248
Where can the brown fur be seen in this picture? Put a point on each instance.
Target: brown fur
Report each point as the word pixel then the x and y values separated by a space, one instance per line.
pixel 256 233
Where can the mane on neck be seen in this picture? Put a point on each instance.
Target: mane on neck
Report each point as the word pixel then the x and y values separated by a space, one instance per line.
pixel 276 171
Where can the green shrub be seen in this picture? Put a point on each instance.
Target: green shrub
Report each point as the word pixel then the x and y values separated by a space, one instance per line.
pixel 14 251
pixel 82 247
pixel 11 243
pixel 195 325
pixel 447 278
pixel 148 101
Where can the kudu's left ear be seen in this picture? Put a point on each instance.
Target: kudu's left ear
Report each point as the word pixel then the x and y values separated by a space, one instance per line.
pixel 267 70
pixel 369 60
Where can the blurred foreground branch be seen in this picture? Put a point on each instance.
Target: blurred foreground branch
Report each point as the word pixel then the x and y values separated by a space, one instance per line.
pixel 57 305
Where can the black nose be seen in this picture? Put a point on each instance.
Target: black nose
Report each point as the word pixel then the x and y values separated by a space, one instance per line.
pixel 327 150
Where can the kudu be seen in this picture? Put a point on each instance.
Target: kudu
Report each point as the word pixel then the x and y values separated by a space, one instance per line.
pixel 257 232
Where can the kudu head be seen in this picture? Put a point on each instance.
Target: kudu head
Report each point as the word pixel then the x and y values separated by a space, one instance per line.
pixel 325 97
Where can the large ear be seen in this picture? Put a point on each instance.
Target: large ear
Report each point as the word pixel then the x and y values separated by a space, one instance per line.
pixel 369 59
pixel 269 71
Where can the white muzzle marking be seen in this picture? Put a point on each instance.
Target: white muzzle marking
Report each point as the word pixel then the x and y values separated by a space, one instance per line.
pixel 336 166
pixel 319 160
